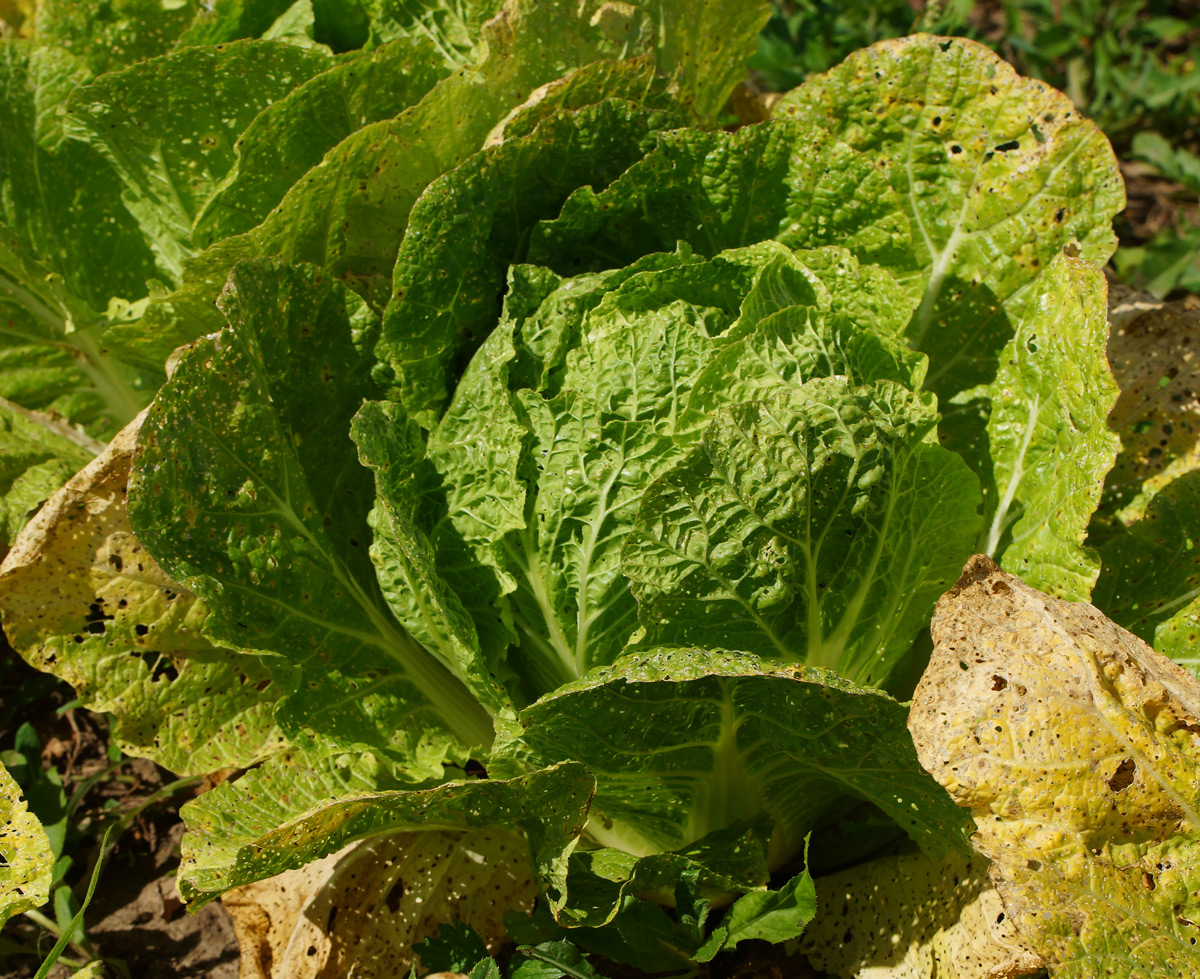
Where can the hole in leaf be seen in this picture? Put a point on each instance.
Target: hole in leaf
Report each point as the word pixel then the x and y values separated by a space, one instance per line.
pixel 1122 778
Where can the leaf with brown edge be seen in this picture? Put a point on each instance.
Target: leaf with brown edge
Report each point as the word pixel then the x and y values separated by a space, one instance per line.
pixel 82 599
pixel 360 911
pixel 1077 749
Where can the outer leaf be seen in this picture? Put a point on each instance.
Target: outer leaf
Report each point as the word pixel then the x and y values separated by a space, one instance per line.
pixel 1047 437
pixel 983 163
pixel 294 810
pixel 816 527
pixel 716 191
pixel 455 28
pixel 82 599
pixel 635 80
pixel 1150 582
pixel 376 899
pixel 686 741
pixel 107 36
pixel 985 166
pixel 404 557
pixel 248 490
pixel 27 860
pixel 37 455
pixel 550 960
pixel 1156 414
pixel 1074 745
pixel 222 21
pixel 910 917
pixel 293 133
pixel 172 152
pixel 62 256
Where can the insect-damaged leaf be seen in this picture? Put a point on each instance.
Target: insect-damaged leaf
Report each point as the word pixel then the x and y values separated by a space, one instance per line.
pixel 365 907
pixel 81 598
pixel 914 917
pixel 25 857
pixel 1077 749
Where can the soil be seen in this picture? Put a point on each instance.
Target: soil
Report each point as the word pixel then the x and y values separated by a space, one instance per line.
pixel 136 918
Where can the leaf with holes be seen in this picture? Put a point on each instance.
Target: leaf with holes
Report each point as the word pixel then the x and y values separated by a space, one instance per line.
pixel 1075 747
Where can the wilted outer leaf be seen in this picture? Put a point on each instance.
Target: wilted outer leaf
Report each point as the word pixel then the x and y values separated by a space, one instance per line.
pixel 1075 747
pixel 686 741
pixel 25 858
pixel 299 808
pixel 912 917
pixel 360 911
pixel 81 598
pixel 1154 349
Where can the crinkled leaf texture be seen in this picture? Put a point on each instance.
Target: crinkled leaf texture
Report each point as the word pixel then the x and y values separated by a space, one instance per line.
pixel 1075 747
pixel 81 598
pixel 27 861
pixel 1151 350
pixel 932 159
pixel 563 462
pixel 362 910
pixel 817 526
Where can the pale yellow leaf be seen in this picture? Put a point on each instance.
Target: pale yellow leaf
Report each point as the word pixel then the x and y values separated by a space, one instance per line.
pixel 1077 749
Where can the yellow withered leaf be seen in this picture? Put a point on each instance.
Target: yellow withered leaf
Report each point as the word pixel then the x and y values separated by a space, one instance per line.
pixel 1077 749
pixel 913 917
pixel 359 912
